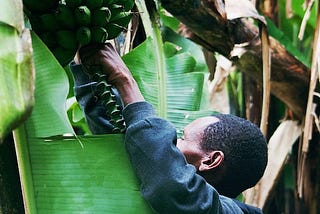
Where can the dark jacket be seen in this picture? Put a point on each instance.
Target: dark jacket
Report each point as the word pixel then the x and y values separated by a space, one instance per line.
pixel 168 183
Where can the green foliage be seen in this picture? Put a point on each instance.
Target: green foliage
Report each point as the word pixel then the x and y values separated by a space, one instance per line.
pixel 285 40
pixel 52 87
pixel 182 86
pixel 178 72
pixel 66 25
pixel 235 93
pixel 168 20
pixel 16 70
pixel 63 174
pixel 92 174
pixel 92 177
pixel 76 117
pixel 169 31
pixel 289 27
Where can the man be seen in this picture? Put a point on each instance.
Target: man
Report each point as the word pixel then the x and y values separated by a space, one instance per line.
pixel 217 156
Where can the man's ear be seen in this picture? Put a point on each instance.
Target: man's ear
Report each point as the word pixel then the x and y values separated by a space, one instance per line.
pixel 211 160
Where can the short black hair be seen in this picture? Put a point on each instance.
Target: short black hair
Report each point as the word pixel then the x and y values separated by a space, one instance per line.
pixel 245 152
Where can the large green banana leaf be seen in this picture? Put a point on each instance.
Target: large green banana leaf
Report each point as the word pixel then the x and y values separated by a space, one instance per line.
pixel 63 173
pixel 16 71
pixel 176 89
pixel 50 117
pixel 168 78
pixel 90 174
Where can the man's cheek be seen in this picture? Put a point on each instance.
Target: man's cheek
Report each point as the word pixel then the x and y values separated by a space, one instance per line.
pixel 180 144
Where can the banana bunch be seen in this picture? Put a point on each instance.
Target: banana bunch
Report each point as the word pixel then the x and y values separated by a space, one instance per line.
pixel 113 110
pixel 66 25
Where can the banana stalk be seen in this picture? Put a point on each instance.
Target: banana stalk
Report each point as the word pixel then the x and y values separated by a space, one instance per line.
pixel 105 93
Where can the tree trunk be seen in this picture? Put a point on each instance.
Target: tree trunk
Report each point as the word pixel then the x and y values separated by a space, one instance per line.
pixel 206 27
pixel 311 184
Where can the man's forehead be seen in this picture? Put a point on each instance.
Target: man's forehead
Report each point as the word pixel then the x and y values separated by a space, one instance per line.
pixel 202 123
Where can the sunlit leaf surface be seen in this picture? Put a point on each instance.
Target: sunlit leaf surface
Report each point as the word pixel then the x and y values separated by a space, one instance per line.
pixel 49 116
pixel 93 176
pixel 16 68
pixel 182 87
pixel 62 174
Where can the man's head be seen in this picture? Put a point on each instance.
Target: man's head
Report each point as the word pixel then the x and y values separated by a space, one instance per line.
pixel 228 151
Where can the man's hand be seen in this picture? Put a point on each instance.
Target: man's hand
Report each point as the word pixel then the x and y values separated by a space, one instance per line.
pixel 106 56
pixel 117 72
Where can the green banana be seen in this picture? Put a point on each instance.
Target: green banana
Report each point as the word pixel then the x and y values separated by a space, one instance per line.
pixel 120 121
pixel 67 39
pixel 82 15
pixel 127 4
pixel 115 9
pixel 114 30
pixel 116 117
pixel 73 3
pixel 93 4
pixel 64 56
pixel 36 23
pixel 107 2
pixel 100 17
pixel 49 22
pixel 98 34
pixel 65 16
pixel 122 18
pixel 118 23
pixel 39 7
pixel 109 102
pixel 114 111
pixel 83 35
pixel 107 98
pixel 49 39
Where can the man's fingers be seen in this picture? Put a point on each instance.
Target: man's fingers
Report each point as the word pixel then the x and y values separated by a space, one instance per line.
pixel 87 51
pixel 108 46
pixel 91 53
pixel 92 69
pixel 95 47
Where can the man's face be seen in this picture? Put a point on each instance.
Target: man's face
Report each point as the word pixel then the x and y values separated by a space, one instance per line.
pixel 189 143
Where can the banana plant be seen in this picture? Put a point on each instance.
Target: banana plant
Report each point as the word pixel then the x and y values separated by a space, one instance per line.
pixel 64 173
pixel 16 68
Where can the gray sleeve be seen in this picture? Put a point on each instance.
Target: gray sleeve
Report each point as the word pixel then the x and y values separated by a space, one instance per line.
pixel 90 104
pixel 168 183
